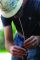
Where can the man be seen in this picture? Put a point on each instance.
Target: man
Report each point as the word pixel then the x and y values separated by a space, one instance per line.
pixel 26 16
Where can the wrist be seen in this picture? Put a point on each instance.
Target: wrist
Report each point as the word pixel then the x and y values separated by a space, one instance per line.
pixel 8 45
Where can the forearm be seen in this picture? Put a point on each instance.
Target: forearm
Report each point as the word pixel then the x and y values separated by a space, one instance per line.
pixel 8 37
pixel 8 43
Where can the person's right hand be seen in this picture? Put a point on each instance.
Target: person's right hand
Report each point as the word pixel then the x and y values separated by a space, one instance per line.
pixel 17 51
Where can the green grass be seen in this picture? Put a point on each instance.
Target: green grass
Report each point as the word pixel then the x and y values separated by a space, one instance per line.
pixel 3 51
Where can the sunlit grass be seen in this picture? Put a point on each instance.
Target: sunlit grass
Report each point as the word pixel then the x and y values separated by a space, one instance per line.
pixel 1 51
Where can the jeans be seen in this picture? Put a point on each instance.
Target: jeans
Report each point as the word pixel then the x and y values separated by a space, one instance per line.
pixel 31 54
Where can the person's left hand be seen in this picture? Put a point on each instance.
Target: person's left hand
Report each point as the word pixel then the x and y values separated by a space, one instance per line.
pixel 32 41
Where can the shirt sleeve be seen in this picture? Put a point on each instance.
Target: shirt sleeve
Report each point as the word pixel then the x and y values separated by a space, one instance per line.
pixel 6 21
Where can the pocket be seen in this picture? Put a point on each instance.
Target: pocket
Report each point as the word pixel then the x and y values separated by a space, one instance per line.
pixel 18 40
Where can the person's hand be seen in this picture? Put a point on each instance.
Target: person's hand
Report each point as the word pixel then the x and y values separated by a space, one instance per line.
pixel 17 51
pixel 33 41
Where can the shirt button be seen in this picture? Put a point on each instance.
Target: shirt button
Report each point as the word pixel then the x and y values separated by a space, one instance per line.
pixel 29 18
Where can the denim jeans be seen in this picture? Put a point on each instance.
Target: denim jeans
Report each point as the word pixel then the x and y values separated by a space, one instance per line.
pixel 31 54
